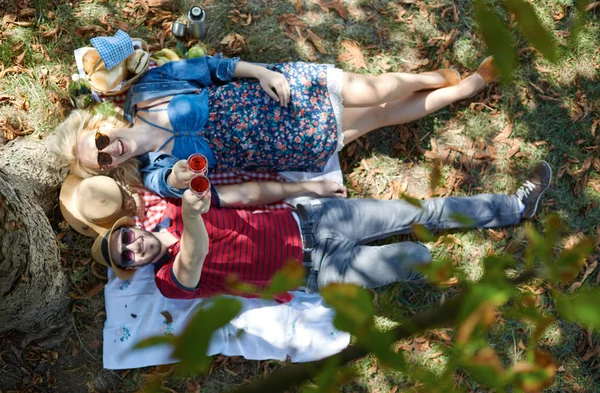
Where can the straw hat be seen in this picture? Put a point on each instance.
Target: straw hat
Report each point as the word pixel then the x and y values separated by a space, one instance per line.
pixel 91 205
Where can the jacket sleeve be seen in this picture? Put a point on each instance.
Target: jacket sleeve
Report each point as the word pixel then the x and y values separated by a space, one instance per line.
pixel 205 70
pixel 156 168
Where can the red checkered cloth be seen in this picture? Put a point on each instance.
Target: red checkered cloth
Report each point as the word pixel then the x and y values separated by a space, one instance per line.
pixel 217 178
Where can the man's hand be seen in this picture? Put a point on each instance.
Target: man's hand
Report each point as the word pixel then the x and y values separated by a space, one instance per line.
pixel 180 175
pixel 191 205
pixel 326 188
pixel 275 85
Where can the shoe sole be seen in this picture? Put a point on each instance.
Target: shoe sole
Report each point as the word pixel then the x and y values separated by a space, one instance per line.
pixel 537 201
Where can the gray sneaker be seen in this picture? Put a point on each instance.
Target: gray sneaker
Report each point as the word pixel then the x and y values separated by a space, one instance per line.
pixel 531 191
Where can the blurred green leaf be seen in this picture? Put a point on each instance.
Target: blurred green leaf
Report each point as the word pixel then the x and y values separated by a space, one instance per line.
pixel 288 278
pixel 536 374
pixel 529 23
pixel 353 307
pixel 439 270
pixel 479 306
pixel 495 265
pixel 462 219
pixel 381 344
pixel 106 108
pixel 486 367
pixel 539 247
pixel 435 175
pixel 327 378
pixel 192 345
pixel 422 233
pixel 582 307
pixel 155 340
pixel 152 387
pixel 578 23
pixel 569 262
pixel 497 39
pixel 413 201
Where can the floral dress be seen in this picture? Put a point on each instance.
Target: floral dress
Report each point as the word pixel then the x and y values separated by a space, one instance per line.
pixel 247 129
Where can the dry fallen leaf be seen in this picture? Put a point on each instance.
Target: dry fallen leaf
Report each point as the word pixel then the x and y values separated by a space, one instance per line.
pixel 291 19
pixel 336 5
pixel 18 61
pixel 354 56
pixel 167 316
pixel 503 136
pixel 593 5
pixel 234 44
pixel 317 41
pixel 95 290
pixel 86 31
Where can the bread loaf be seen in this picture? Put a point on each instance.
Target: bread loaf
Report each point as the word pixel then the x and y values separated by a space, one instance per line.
pixel 91 61
pixel 106 80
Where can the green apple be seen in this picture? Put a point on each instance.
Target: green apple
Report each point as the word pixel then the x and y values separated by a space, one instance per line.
pixel 196 51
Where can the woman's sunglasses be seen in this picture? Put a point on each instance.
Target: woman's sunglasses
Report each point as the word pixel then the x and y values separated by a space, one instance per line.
pixel 104 159
pixel 127 237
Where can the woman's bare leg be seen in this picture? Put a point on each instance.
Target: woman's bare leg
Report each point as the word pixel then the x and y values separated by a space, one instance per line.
pixel 369 90
pixel 357 122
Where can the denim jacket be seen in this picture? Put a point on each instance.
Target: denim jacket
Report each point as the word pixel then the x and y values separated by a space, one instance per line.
pixel 176 77
pixel 180 77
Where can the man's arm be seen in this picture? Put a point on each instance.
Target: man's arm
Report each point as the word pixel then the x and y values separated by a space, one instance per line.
pixel 261 193
pixel 188 264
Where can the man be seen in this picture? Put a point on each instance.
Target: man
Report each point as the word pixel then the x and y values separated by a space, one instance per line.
pixel 201 247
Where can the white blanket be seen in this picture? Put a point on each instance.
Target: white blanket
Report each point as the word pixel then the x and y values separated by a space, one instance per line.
pixel 302 329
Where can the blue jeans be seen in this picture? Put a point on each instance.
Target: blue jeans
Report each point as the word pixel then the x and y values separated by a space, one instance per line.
pixel 343 227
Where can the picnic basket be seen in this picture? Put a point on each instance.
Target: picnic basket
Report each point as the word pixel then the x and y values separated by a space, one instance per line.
pixel 124 86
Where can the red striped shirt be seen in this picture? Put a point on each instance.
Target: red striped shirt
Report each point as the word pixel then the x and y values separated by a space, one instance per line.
pixel 250 245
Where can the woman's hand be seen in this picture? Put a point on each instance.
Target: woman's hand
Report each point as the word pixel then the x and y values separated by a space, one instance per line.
pixel 276 85
pixel 326 188
pixel 180 175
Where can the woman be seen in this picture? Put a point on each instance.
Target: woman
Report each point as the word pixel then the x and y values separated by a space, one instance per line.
pixel 283 117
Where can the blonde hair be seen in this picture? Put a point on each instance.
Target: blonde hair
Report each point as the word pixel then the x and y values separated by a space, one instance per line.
pixel 66 139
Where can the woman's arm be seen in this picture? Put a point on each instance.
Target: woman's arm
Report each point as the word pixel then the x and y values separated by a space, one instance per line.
pixel 262 193
pixel 274 83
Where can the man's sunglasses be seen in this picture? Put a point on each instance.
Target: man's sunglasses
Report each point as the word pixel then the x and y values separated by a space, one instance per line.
pixel 127 237
pixel 102 141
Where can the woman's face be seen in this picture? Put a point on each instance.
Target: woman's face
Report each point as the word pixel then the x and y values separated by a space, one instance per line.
pixel 119 148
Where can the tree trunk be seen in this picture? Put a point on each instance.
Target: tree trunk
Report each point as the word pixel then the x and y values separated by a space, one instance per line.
pixel 34 170
pixel 33 286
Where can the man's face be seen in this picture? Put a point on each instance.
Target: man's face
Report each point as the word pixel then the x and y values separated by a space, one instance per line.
pixel 132 248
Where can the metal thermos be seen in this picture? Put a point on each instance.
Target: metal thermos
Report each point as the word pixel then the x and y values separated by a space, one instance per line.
pixel 196 26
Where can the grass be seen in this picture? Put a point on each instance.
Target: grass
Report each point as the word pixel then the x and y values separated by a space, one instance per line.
pixel 551 108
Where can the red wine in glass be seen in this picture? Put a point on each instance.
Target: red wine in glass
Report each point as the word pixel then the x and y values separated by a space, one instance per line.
pixel 198 163
pixel 200 185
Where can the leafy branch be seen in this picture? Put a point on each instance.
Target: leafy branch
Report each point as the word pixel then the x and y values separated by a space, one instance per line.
pixel 282 379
